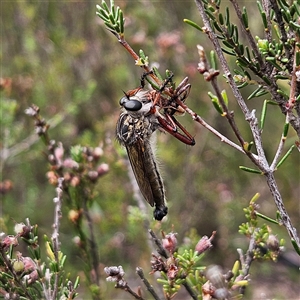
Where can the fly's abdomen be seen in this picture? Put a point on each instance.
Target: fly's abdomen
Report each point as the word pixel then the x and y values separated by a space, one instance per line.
pixel 155 181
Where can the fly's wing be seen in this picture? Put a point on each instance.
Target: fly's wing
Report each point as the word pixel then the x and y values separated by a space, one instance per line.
pixel 134 134
pixel 136 154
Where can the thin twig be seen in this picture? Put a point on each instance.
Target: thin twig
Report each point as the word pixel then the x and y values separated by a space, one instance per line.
pixel 149 287
pixel 55 234
pixel 267 8
pixel 128 289
pixel 247 260
pixel 124 43
pixel 278 153
pixel 161 250
pixel 201 121
pixel 247 32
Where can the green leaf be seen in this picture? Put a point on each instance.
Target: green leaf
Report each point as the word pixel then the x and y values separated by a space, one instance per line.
pixel 246 169
pixel 227 17
pixel 295 245
pixel 105 7
pixel 216 25
pixel 110 26
pixel 235 34
pixel 266 80
pixel 213 60
pixel 210 14
pixel 225 97
pixel 228 44
pixel 263 14
pixel 245 17
pixel 112 19
pixel 221 19
pixel 285 129
pixel 117 13
pixel 283 94
pixel 241 61
pixel 121 22
pixel 232 53
pixel 193 24
pixel 266 218
pixel 285 156
pixel 263 114
pixel 76 283
pixel 258 92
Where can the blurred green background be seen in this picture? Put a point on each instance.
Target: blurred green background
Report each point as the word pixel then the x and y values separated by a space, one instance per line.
pixel 60 57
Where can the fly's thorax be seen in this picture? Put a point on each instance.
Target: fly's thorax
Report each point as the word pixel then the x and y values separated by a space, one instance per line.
pixel 130 129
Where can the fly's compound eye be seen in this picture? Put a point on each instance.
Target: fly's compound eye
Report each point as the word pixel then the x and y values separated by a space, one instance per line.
pixel 131 105
pixel 123 100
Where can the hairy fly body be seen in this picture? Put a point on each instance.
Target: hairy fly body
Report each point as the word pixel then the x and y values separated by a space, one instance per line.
pixel 143 112
pixel 134 129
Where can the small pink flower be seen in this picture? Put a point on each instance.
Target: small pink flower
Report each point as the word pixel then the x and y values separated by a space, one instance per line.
pixel 204 243
pixel 170 242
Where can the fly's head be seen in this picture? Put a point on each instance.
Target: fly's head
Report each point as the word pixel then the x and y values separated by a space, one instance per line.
pixel 136 121
pixel 136 103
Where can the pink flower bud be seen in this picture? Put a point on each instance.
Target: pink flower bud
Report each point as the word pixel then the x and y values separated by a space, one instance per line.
pixel 59 152
pixel 75 181
pixel 204 243
pixel 102 169
pixel 32 277
pixel 70 163
pixel 170 242
pixel 29 264
pixel 93 175
pixel 273 243
pixel 52 177
pixel 9 240
pixel 98 152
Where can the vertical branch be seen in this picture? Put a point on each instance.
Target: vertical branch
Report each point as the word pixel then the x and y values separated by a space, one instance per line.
pixel 280 206
pixel 247 32
pixel 55 234
pixel 247 260
pixel 261 161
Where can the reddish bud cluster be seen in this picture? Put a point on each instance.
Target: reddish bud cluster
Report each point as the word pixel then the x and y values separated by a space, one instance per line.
pixel 158 264
pixel 170 242
pixel 5 186
pixel 74 171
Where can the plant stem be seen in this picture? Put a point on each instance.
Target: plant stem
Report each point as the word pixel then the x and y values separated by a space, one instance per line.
pixel 260 161
pixel 149 287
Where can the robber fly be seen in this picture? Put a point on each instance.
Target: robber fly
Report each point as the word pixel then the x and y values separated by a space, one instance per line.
pixel 139 118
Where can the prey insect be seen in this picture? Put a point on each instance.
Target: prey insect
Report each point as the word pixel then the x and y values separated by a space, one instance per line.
pixel 143 112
